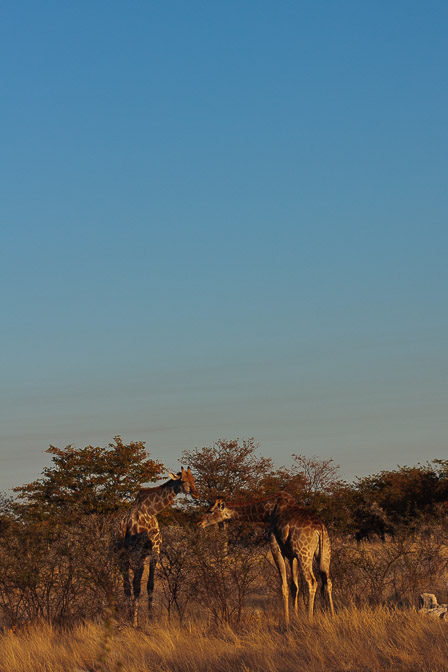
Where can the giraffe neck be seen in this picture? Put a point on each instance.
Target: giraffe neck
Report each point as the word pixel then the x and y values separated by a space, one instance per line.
pixel 257 511
pixel 154 500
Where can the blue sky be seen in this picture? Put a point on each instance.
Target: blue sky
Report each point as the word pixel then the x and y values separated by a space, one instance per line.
pixel 224 220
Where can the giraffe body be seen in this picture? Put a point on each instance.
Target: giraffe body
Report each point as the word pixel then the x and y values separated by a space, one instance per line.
pixel 138 536
pixel 296 535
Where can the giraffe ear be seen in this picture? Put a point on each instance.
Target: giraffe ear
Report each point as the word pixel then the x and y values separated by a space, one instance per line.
pixel 175 477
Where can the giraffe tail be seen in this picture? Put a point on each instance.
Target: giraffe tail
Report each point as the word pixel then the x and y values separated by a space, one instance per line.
pixel 322 549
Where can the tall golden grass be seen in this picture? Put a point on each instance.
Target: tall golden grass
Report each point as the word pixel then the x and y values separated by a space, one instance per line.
pixel 358 640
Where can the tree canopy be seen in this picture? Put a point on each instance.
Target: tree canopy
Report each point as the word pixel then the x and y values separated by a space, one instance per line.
pixel 407 491
pixel 88 480
pixel 229 469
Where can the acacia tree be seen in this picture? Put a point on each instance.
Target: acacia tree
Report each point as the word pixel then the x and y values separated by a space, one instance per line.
pixel 310 480
pixel 317 475
pixel 63 530
pixel 229 469
pixel 87 480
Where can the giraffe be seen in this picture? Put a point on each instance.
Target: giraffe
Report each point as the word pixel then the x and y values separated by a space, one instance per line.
pixel 138 535
pixel 295 534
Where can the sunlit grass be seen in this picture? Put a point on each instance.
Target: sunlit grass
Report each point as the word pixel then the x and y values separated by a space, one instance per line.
pixel 358 640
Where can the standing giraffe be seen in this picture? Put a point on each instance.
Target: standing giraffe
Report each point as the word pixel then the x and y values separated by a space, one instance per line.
pixel 295 534
pixel 138 535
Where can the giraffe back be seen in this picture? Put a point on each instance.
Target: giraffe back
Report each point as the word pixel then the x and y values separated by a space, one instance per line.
pixel 302 533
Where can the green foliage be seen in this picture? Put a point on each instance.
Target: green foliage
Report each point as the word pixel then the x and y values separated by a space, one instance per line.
pixel 87 480
pixel 230 469
pixel 407 492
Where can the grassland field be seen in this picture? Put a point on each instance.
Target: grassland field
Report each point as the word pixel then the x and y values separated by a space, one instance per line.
pixel 358 640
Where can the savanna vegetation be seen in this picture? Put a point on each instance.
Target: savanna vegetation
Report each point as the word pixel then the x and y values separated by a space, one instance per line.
pixel 218 605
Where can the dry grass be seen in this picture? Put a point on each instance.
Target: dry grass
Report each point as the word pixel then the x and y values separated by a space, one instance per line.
pixel 358 640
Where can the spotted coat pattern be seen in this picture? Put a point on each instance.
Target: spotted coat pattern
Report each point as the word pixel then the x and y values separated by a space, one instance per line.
pixel 296 536
pixel 138 535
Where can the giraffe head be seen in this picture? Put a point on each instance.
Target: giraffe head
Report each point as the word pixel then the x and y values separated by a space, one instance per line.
pixel 186 482
pixel 216 514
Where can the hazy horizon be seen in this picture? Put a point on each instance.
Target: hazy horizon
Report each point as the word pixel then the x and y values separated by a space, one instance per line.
pixel 221 221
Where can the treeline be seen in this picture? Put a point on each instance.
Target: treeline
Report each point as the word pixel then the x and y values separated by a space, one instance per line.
pixel 57 563
pixel 103 480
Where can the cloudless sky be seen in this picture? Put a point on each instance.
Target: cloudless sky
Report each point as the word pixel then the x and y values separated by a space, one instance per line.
pixel 224 219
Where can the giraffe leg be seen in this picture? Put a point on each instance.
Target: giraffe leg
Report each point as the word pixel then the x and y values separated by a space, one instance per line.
pixel 124 567
pixel 295 584
pixel 136 585
pixel 150 583
pixel 312 587
pixel 326 588
pixel 280 562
